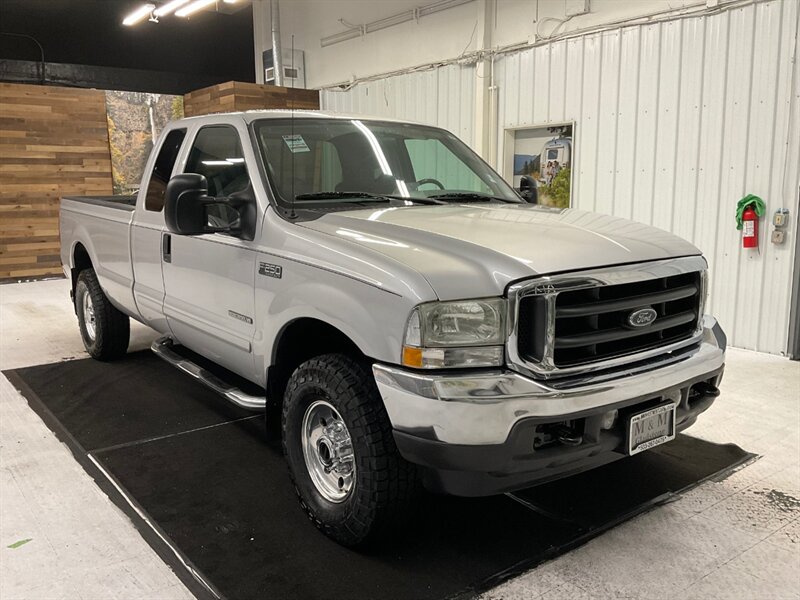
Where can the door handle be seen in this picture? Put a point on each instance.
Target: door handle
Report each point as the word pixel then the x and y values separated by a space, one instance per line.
pixel 166 247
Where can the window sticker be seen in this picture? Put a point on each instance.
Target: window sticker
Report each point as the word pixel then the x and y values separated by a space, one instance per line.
pixel 296 143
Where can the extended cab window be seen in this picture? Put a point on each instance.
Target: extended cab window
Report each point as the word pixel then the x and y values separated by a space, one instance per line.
pixel 162 170
pixel 217 154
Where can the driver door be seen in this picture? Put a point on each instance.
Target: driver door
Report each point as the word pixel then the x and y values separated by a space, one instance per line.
pixel 209 279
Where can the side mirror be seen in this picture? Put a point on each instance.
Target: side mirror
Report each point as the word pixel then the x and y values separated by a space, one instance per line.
pixel 528 189
pixel 189 210
pixel 186 203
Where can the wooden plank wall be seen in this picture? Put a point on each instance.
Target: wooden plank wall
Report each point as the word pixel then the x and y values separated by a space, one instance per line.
pixel 53 142
pixel 237 95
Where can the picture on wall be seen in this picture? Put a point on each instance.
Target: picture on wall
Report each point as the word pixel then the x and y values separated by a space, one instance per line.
pixel 543 158
pixel 135 120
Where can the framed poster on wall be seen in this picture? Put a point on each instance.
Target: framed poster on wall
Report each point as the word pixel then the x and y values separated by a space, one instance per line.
pixel 540 160
pixel 135 119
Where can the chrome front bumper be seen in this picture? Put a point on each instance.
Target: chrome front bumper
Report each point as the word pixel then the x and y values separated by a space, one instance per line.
pixel 482 409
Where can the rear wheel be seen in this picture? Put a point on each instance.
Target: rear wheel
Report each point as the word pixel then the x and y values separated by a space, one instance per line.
pixel 349 476
pixel 104 329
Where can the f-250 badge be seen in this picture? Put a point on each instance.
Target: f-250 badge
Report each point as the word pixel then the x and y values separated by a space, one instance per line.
pixel 270 270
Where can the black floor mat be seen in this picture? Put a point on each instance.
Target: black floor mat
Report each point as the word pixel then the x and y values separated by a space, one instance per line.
pixel 208 488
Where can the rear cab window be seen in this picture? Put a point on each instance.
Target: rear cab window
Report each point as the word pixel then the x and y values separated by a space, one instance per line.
pixel 162 170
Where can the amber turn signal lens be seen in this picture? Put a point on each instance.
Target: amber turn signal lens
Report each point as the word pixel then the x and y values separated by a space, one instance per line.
pixel 412 357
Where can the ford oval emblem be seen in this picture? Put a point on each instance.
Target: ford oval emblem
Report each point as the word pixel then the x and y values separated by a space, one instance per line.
pixel 642 317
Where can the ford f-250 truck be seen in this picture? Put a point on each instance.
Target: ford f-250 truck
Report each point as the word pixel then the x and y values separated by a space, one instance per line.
pixel 412 316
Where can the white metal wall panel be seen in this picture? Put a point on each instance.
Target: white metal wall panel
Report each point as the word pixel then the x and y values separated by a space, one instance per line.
pixel 676 121
pixel 607 114
pixel 689 117
pixel 589 120
pixel 444 97
pixel 669 74
pixel 627 119
pixel 775 292
pixel 647 124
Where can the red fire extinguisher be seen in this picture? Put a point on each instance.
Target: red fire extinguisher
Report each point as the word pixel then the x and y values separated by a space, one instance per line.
pixel 749 228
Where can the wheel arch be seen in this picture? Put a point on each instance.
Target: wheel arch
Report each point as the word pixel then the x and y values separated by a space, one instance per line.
pixel 292 347
pixel 79 261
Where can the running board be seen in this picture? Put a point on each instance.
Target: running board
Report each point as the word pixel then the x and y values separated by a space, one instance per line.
pixel 162 347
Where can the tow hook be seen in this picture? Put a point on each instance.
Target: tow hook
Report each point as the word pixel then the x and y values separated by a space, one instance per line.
pixel 706 389
pixel 567 436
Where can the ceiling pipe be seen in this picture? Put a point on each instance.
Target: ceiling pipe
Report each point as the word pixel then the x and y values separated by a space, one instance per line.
pixel 413 14
pixel 277 58
pixel 43 71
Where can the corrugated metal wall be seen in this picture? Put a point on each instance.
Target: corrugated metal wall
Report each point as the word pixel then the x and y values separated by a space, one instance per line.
pixel 443 96
pixel 676 121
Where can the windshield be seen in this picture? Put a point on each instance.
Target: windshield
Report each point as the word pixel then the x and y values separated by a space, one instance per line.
pixel 321 161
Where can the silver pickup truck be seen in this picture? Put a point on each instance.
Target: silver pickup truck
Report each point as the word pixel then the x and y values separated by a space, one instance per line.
pixel 414 320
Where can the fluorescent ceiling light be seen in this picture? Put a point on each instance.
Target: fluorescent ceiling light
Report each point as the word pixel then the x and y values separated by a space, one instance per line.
pixel 140 13
pixel 193 7
pixel 217 163
pixel 169 7
pixel 229 1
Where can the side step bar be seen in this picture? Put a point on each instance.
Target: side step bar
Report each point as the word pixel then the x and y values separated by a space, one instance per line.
pixel 162 347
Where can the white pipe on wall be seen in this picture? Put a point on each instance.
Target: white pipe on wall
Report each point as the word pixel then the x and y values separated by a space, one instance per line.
pixel 415 14
pixel 277 57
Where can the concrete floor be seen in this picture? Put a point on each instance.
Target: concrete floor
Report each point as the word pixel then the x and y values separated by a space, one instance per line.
pixel 739 538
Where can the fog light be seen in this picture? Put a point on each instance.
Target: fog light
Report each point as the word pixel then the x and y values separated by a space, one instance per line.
pixel 609 419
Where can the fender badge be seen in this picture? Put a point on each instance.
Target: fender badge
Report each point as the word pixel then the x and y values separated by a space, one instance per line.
pixel 270 270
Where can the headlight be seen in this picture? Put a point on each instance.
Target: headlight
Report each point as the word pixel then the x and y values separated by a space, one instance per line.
pixel 465 333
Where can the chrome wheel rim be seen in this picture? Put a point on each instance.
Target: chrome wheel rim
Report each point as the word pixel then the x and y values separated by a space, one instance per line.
pixel 88 316
pixel 328 451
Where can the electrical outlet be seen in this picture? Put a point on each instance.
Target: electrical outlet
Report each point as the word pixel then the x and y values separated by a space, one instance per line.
pixel 778 236
pixel 780 218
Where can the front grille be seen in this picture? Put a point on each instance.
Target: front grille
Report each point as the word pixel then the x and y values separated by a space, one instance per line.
pixel 591 324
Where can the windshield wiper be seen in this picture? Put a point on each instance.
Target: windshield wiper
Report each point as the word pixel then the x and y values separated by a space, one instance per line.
pixel 362 197
pixel 356 196
pixel 469 196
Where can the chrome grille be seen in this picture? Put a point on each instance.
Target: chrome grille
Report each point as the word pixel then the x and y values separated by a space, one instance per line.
pixel 570 323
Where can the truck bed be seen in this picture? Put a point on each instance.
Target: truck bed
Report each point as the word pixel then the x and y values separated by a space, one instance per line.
pixel 102 225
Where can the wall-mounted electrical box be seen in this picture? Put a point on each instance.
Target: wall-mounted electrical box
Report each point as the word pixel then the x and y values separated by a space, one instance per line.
pixel 573 8
pixel 779 221
pixel 781 217
pixel 294 68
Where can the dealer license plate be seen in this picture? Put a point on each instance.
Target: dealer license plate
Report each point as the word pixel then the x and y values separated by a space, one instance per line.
pixel 651 428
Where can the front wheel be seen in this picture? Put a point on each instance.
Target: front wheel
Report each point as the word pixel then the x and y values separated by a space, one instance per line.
pixel 349 476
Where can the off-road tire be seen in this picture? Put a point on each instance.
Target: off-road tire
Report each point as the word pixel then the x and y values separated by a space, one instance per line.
pixel 385 485
pixel 112 327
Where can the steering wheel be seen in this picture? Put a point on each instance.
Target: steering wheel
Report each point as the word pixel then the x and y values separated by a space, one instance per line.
pixel 431 181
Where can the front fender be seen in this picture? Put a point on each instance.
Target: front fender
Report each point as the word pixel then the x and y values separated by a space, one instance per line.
pixel 372 318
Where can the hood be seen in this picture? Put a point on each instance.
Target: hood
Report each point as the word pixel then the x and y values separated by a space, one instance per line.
pixel 473 250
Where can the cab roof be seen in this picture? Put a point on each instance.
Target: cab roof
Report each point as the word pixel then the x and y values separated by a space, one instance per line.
pixel 253 115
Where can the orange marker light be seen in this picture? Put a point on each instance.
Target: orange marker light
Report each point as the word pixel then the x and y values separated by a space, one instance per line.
pixel 412 357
